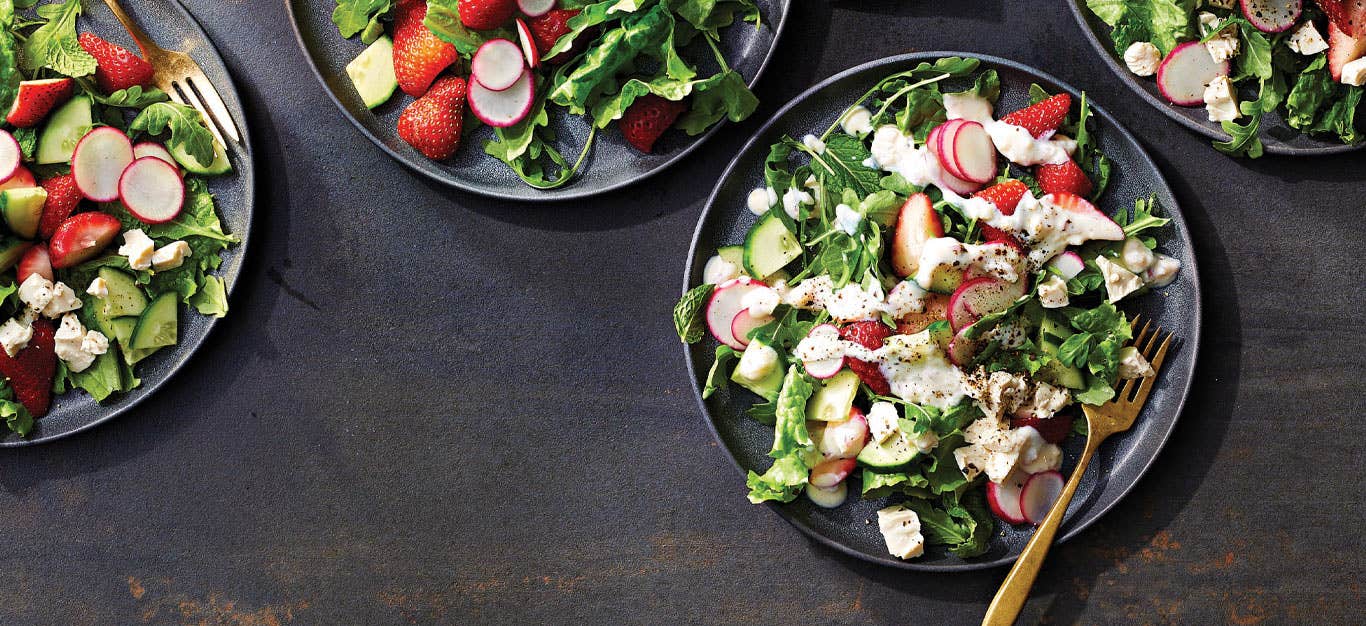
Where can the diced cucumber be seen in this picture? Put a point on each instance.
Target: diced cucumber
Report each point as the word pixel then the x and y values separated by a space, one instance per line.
pixel 895 452
pixel 373 73
pixel 768 386
pixel 23 209
pixel 125 297
pixel 1054 372
pixel 941 333
pixel 64 128
pixel 157 326
pixel 220 164
pixel 11 249
pixel 769 246
pixel 732 254
pixel 1052 327
pixel 832 401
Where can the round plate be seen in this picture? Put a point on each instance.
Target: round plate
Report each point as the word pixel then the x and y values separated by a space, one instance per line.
pixel 1121 461
pixel 171 26
pixel 611 164
pixel 1277 136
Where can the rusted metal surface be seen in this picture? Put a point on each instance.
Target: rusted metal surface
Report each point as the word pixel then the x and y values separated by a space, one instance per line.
pixel 430 408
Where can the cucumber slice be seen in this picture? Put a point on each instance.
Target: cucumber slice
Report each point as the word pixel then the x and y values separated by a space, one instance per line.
pixel 64 128
pixel 769 246
pixel 131 356
pixel 125 298
pixel 157 326
pixel 895 452
pixel 832 401
pixel 768 386
pixel 23 209
pixel 1050 328
pixel 220 164
pixel 1054 372
pixel 733 254
pixel 11 249
pixel 373 73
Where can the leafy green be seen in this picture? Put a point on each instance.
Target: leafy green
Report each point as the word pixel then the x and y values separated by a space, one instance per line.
pixel 17 418
pixel 443 19
pixel 1312 89
pixel 1144 217
pixel 1340 119
pixel 527 147
pixel 881 485
pixel 842 161
pixel 9 66
pixel 28 140
pixel 791 443
pixel 615 51
pixel 782 482
pixel 186 125
pixel 724 95
pixel 1254 58
pixel 135 97
pixel 962 523
pixel 54 44
pixel 361 16
pixel 1164 23
pixel 688 313
pixel 718 376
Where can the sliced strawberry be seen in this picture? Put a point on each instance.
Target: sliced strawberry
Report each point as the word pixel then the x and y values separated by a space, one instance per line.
pixel 432 123
pixel 81 237
pixel 1343 49
pixel 117 67
pixel 419 55
pixel 548 28
pixel 30 371
pixel 34 261
pixel 870 335
pixel 21 178
pixel 1349 16
pixel 647 118
pixel 36 98
pixel 1042 117
pixel 485 14
pixel 62 199
pixel 1053 429
pixel 1063 178
pixel 1005 195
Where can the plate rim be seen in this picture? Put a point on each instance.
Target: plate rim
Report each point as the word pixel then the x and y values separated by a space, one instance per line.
pixel 1184 233
pixel 553 195
pixel 230 275
pixel 1106 53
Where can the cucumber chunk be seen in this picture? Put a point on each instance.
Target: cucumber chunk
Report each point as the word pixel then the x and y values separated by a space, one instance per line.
pixel 64 128
pixel 373 73
pixel 220 164
pixel 11 249
pixel 125 298
pixel 895 452
pixel 23 209
pixel 831 403
pixel 157 326
pixel 733 254
pixel 769 246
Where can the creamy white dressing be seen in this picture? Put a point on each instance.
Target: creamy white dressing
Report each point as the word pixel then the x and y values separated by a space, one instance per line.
pixel 915 367
pixel 857 121
pixel 967 106
pixel 948 254
pixel 853 302
pixel 1022 148
pixel 1040 224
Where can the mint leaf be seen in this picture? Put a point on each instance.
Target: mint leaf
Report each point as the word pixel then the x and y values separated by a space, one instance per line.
pixel 688 313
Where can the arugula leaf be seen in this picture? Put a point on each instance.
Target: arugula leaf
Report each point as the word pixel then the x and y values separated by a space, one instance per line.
pixel 135 97
pixel 724 95
pixel 54 45
pixel 1144 217
pixel 717 376
pixel 986 85
pixel 1254 60
pixel 615 51
pixel 28 140
pixel 960 522
pixel 526 148
pixel 688 313
pixel 361 16
pixel 9 66
pixel 186 125
pixel 443 19
pixel 714 14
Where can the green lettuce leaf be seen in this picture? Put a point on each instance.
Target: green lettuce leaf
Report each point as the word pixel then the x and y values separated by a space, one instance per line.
pixel 1164 23
pixel 9 61
pixel 361 16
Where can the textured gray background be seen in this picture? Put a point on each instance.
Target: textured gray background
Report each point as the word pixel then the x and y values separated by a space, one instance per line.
pixel 427 407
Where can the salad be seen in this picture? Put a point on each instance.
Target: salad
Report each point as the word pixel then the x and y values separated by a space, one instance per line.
pixel 628 62
pixel 108 222
pixel 1242 59
pixel 925 295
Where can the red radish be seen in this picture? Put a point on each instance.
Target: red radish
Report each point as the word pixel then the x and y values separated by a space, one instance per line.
pixel 916 223
pixel 962 350
pixel 1004 497
pixel 979 297
pixel 152 149
pixel 81 237
pixel 1182 76
pixel 34 261
pixel 828 498
pixel 744 324
pixel 1039 494
pixel 21 178
pixel 152 190
pixel 1272 16
pixel 973 153
pixel 824 368
pixel 98 162
pixel 36 98
pixel 942 145
pixel 843 440
pixel 725 304
pixel 832 472
pixel 1342 49
pixel 498 64
pixel 1087 222
pixel 1068 265
pixel 10 156
pixel 957 185
pixel 501 109
pixel 528 40
pixel 535 8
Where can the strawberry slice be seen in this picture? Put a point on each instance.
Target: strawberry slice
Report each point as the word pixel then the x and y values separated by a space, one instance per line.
pixel 870 335
pixel 36 98
pixel 21 178
pixel 419 55
pixel 485 14
pixel 117 68
pixel 432 123
pixel 81 237
pixel 1347 15
pixel 34 261
pixel 1006 196
pixel 1053 429
pixel 1063 178
pixel 30 371
pixel 1042 117
pixel 63 196
pixel 547 29
pixel 647 118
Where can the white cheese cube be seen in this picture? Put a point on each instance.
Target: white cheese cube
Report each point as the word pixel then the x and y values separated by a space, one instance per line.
pixel 14 335
pixel 63 300
pixel 170 256
pixel 1036 454
pixel 1053 292
pixel 1306 40
pixel 1133 365
pixel 95 342
pixel 98 288
pixel 35 291
pixel 1225 45
pixel 139 248
pixel 882 421
pixel 67 344
pixel 757 362
pixel 1220 103
pixel 900 527
pixel 1136 256
pixel 1354 73
pixel 761 199
pixel 1119 282
pixel 1142 58
pixel 1163 271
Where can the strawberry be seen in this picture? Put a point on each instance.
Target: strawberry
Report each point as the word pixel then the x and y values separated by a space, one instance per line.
pixel 36 98
pixel 1053 429
pixel 547 29
pixel 647 118
pixel 117 67
pixel 1042 117
pixel 62 199
pixel 1063 178
pixel 432 123
pixel 34 261
pixel 1342 49
pixel 1005 195
pixel 21 178
pixel 81 237
pixel 485 14
pixel 30 371
pixel 869 335
pixel 419 56
pixel 1347 15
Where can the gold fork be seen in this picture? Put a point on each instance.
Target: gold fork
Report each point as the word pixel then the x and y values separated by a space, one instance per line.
pixel 176 73
pixel 1115 416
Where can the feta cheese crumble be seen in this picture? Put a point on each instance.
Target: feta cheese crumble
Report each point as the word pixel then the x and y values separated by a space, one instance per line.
pixel 170 256
pixel 15 335
pixel 139 248
pixel 1053 292
pixel 77 347
pixel 814 143
pixel 1223 46
pixel 1306 40
pixel 1354 73
pixel 1119 281
pixel 883 421
pixel 1142 58
pixel 718 270
pixel 757 362
pixel 1220 103
pixel 98 288
pixel 900 528
pixel 63 300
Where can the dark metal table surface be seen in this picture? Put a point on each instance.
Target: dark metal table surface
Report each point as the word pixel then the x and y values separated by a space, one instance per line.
pixel 428 407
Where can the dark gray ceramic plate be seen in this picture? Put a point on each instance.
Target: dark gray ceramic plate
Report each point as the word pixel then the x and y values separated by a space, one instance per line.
pixel 174 29
pixel 611 164
pixel 1122 460
pixel 1277 136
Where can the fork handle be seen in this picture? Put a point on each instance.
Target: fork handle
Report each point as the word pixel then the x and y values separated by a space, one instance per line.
pixel 144 42
pixel 1010 599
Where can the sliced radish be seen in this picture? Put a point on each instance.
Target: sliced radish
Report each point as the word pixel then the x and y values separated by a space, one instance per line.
pixel 843 440
pixel 1004 497
pixel 1067 265
pixel 1272 16
pixel 533 54
pixel 535 8
pixel 725 303
pixel 497 64
pixel 153 149
pixel 1182 76
pixel 828 497
pixel 98 163
pixel 957 185
pixel 152 190
pixel 961 349
pixel 824 368
pixel 943 145
pixel 973 153
pixel 10 156
pixel 1039 494
pixel 979 297
pixel 832 472
pixel 21 178
pixel 744 323
pixel 504 108
pixel 916 223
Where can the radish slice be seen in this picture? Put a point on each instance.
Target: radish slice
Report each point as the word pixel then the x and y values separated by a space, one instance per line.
pixel 533 55
pixel 152 190
pixel 723 306
pixel 979 297
pixel 10 156
pixel 824 368
pixel 828 497
pixel 1272 16
pixel 956 184
pixel 98 163
pixel 1068 265
pixel 943 144
pixel 973 153
pixel 497 64
pixel 744 323
pixel 1182 76
pixel 832 472
pixel 961 349
pixel 152 149
pixel 843 440
pixel 504 108
pixel 535 8
pixel 1039 494
pixel 1004 497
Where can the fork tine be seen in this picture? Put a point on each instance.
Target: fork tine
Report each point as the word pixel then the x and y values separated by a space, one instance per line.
pixel 169 90
pixel 1147 348
pixel 208 119
pixel 1138 339
pixel 216 106
pixel 1133 323
pixel 1147 385
pixel 1125 391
